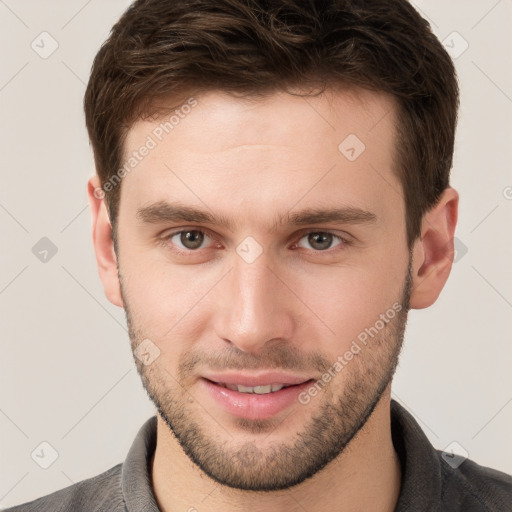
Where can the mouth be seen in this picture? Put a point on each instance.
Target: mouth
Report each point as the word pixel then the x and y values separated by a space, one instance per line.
pixel 259 390
pixel 255 397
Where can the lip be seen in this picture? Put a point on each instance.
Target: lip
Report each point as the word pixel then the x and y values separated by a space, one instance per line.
pixel 253 406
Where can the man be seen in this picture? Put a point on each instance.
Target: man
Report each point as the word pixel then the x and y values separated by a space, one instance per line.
pixel 272 197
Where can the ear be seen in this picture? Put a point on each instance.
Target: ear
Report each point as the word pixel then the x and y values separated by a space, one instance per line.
pixel 433 252
pixel 103 243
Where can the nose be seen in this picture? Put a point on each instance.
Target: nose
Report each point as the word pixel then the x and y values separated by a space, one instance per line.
pixel 255 307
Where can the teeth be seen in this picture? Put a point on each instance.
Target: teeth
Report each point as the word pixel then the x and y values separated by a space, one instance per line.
pixel 259 390
pixel 262 390
pixel 245 389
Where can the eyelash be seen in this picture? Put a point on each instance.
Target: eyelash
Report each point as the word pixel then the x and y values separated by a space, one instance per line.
pixel 165 240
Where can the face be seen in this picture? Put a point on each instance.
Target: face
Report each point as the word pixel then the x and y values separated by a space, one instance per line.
pixel 264 272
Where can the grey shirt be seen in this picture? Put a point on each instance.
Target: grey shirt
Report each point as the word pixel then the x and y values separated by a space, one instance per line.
pixel 429 482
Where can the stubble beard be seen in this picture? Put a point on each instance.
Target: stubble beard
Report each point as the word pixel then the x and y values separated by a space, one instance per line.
pixel 244 465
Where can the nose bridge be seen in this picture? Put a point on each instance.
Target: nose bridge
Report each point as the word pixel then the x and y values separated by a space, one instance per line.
pixel 257 309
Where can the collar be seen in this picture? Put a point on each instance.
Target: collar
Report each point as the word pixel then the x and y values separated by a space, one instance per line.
pixel 421 468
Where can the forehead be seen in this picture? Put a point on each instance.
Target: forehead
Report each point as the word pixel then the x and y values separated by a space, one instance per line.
pixel 255 156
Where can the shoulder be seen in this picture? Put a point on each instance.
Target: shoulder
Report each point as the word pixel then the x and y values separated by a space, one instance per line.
pixel 472 487
pixel 100 493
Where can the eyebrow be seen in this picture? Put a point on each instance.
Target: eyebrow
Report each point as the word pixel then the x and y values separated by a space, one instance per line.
pixel 162 211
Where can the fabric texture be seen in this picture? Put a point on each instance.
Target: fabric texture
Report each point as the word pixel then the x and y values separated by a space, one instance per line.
pixel 429 483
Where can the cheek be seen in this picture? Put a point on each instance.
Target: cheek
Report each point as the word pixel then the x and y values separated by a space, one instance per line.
pixel 162 310
pixel 349 300
pixel 164 299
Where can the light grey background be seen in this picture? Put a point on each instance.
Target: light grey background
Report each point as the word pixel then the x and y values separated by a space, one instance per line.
pixel 67 374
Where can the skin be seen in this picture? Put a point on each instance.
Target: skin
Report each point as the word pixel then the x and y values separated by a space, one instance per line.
pixel 295 307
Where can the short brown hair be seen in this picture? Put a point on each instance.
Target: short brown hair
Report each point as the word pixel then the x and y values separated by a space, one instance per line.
pixel 165 48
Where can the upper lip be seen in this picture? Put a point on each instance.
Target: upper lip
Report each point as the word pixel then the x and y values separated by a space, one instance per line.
pixel 260 379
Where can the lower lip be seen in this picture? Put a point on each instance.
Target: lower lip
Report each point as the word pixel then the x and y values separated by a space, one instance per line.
pixel 251 405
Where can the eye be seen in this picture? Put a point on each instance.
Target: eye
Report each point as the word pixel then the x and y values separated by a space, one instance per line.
pixel 188 239
pixel 321 240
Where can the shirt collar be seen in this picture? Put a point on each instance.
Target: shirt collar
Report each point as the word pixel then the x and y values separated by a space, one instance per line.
pixel 421 468
pixel 136 471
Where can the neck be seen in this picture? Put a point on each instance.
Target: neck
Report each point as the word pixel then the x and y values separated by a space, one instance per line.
pixel 366 476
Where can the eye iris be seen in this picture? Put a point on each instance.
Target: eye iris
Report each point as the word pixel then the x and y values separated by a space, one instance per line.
pixel 192 239
pixel 324 239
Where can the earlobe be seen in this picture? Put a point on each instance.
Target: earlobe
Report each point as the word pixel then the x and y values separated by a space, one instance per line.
pixel 103 243
pixel 433 252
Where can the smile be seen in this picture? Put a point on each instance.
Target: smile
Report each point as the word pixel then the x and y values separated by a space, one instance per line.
pixel 254 398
